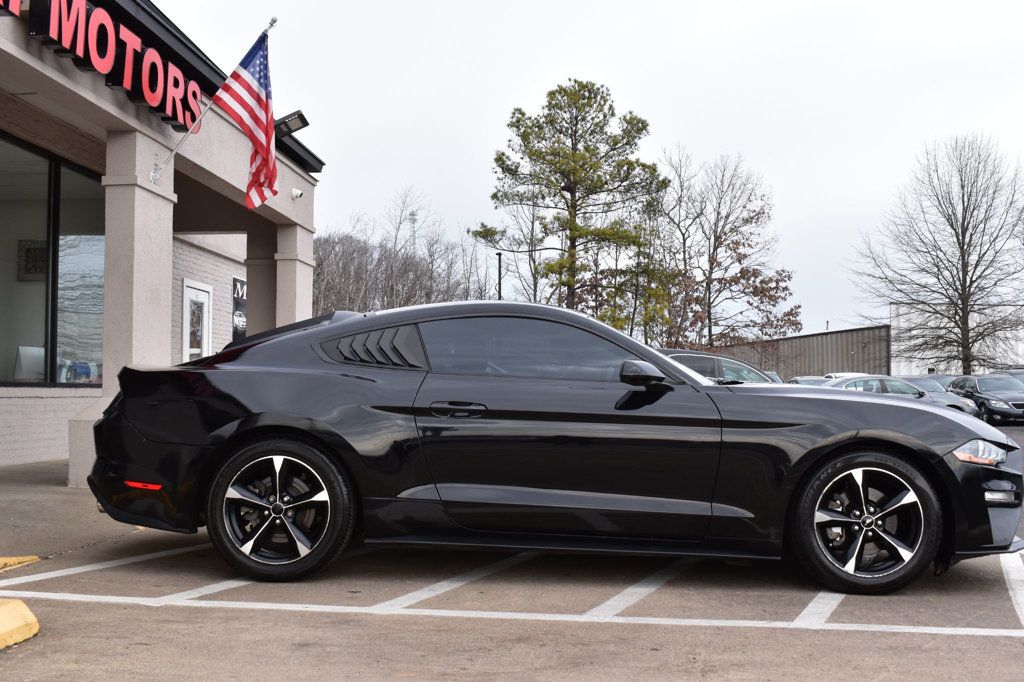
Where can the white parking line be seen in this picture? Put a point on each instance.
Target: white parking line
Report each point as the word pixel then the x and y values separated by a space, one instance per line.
pixel 99 566
pixel 452 583
pixel 631 595
pixel 545 617
pixel 203 591
pixel 819 610
pixel 1013 571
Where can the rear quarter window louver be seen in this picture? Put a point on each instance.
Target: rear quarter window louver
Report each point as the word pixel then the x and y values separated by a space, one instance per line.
pixel 392 347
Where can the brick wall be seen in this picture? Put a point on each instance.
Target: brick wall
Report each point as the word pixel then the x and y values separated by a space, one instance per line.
pixel 34 421
pixel 202 259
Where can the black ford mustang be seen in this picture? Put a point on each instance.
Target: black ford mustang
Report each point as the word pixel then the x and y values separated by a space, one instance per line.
pixel 522 426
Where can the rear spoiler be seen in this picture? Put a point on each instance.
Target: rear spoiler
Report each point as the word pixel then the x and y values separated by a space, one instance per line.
pixel 302 325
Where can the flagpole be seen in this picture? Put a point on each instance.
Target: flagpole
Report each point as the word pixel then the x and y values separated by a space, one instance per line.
pixel 158 168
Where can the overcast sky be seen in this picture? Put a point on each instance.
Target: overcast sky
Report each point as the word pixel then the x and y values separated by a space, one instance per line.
pixel 830 102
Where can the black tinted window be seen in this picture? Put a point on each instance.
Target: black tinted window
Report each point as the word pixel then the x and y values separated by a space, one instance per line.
pixel 520 347
pixel 701 364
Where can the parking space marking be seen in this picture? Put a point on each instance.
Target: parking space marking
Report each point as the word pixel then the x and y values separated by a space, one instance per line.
pixel 631 595
pixel 452 583
pixel 205 590
pixel 820 608
pixel 99 566
pixel 511 615
pixel 1013 571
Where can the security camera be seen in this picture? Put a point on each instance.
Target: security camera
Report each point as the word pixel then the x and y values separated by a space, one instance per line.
pixel 297 193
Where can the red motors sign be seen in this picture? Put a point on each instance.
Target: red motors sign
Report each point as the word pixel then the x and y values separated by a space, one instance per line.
pixel 91 37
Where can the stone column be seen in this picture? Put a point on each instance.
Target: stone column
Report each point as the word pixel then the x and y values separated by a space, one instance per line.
pixel 294 273
pixel 137 277
pixel 261 279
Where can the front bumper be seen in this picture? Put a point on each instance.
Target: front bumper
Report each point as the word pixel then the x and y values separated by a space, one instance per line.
pixel 999 414
pixel 123 454
pixel 982 527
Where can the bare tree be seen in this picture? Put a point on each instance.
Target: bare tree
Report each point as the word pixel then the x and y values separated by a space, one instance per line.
pixel 946 261
pixel 738 292
pixel 406 258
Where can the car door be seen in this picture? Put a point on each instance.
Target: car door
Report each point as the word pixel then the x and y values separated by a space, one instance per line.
pixel 526 427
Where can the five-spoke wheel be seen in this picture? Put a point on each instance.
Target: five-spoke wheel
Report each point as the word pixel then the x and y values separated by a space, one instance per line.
pixel 279 509
pixel 867 522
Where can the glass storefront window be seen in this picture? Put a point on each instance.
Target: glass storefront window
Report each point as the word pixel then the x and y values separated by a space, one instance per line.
pixel 80 280
pixel 24 261
pixel 51 309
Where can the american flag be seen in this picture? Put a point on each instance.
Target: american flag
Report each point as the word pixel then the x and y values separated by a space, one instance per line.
pixel 245 97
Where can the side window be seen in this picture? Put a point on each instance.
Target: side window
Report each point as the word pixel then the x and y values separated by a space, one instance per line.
pixel 854 386
pixel 701 364
pixel 735 371
pixel 520 347
pixel 900 387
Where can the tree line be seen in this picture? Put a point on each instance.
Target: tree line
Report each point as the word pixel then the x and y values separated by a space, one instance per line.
pixel 676 252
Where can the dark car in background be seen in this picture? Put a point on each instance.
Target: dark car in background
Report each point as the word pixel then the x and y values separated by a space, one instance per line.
pixel 809 381
pixel 718 367
pixel 999 397
pixel 939 393
pixel 888 385
pixel 519 426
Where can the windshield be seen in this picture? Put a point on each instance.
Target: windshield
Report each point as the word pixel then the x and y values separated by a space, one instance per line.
pixel 692 376
pixel 930 385
pixel 986 384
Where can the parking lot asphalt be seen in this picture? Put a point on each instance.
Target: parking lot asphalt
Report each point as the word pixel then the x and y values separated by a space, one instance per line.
pixel 118 601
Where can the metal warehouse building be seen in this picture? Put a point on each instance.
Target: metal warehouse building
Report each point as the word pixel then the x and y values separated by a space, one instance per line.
pixel 866 349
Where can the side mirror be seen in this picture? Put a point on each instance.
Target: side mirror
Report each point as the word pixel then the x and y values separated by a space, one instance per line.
pixel 921 394
pixel 640 373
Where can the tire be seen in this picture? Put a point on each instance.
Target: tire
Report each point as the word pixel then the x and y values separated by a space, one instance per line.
pixel 899 528
pixel 280 510
pixel 983 414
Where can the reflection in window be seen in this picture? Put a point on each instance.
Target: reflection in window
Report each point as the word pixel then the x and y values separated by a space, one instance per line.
pixel 519 347
pixel 196 332
pixel 24 263
pixel 80 280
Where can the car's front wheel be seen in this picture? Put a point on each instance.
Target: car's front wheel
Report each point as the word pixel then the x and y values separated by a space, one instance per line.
pixel 867 523
pixel 279 510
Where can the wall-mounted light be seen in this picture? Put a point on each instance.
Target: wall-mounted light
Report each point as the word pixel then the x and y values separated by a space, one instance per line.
pixel 290 124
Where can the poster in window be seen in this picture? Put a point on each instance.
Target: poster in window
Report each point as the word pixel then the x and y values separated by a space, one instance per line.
pixel 33 260
pixel 239 291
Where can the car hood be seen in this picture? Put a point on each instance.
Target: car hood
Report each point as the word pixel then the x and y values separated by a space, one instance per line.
pixel 976 426
pixel 1008 396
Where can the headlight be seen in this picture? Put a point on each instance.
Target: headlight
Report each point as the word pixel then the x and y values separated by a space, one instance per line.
pixel 967 402
pixel 999 403
pixel 980 452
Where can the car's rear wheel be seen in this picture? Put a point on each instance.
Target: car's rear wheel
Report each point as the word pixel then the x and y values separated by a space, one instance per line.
pixel 279 510
pixel 867 523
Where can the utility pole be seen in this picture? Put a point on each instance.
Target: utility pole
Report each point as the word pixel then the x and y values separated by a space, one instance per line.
pixel 499 275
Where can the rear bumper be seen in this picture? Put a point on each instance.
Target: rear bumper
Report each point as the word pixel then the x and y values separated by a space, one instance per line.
pixel 122 454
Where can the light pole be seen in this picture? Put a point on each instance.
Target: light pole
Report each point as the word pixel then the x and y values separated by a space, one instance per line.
pixel 499 275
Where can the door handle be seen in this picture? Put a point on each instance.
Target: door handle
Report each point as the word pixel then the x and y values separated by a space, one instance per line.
pixel 457 409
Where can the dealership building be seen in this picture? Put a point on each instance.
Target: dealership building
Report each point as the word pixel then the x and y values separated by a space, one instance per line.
pixel 101 265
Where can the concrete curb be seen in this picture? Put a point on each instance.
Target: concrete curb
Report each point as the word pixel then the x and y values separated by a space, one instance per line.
pixel 17 623
pixel 12 561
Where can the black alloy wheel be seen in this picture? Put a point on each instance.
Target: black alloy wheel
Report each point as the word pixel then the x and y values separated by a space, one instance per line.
pixel 867 523
pixel 279 510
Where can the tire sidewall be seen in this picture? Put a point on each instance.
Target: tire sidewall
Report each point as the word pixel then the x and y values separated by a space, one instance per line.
pixel 812 555
pixel 339 528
